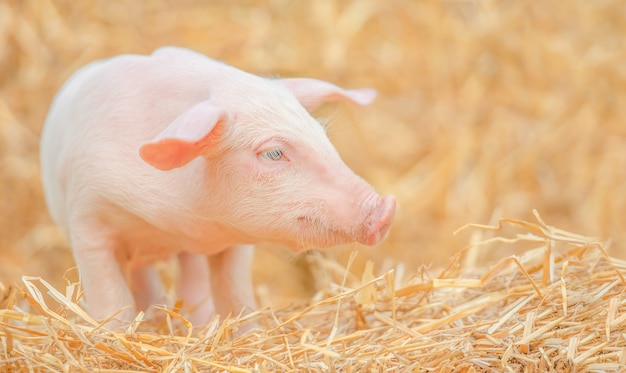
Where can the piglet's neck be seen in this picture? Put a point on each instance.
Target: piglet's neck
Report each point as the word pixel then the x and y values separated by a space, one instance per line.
pixel 194 202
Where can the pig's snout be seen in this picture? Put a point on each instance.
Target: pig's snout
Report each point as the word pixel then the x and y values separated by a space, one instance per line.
pixel 380 221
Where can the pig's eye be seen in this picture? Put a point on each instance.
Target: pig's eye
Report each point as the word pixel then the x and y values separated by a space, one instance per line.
pixel 273 155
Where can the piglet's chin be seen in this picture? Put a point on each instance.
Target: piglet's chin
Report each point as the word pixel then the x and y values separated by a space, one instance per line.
pixel 316 233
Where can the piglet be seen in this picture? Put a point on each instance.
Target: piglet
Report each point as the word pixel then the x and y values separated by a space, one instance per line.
pixel 146 157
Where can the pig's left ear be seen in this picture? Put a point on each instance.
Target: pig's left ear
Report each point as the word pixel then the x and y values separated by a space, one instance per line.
pixel 184 138
pixel 312 92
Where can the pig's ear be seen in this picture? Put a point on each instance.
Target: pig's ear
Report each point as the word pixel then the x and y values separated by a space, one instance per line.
pixel 184 138
pixel 312 92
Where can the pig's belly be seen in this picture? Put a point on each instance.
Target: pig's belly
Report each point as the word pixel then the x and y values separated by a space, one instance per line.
pixel 142 244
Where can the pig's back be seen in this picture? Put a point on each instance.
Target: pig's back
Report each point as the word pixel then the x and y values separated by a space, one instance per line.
pixel 54 138
pixel 98 120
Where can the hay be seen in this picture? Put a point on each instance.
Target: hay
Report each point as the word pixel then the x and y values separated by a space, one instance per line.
pixel 485 109
pixel 558 307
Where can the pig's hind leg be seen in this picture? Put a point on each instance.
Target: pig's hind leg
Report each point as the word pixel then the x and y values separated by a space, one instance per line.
pixel 147 287
pixel 194 288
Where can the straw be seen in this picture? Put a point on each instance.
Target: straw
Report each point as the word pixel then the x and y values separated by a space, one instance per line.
pixel 503 317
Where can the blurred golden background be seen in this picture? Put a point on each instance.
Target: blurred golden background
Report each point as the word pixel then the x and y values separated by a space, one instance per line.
pixel 486 109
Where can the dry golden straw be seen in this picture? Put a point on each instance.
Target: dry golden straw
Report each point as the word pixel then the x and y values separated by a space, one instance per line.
pixel 557 307
pixel 485 109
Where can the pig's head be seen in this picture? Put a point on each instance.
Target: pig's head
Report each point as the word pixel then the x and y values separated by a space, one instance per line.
pixel 272 174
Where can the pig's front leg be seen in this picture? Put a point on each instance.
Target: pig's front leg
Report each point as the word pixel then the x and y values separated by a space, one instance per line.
pixel 194 288
pixel 231 280
pixel 102 279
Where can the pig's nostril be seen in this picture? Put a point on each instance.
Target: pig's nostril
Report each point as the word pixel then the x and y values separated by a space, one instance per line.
pixel 383 231
pixel 380 228
pixel 379 235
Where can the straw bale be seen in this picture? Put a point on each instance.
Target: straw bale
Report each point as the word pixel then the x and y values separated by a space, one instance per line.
pixel 504 317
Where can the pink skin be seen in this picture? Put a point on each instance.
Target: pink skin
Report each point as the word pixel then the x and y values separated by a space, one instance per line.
pixel 145 157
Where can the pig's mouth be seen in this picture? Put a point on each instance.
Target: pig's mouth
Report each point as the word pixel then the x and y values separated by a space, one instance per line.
pixel 314 233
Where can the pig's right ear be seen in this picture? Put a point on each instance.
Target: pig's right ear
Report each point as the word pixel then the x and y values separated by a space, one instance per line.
pixel 184 139
pixel 313 92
